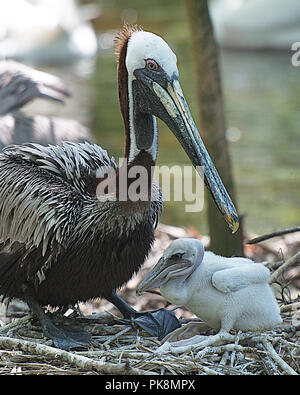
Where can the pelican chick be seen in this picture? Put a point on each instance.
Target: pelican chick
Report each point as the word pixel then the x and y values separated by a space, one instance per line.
pixel 226 293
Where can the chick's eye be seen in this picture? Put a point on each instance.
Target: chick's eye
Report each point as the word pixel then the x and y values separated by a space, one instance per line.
pixel 151 65
pixel 177 256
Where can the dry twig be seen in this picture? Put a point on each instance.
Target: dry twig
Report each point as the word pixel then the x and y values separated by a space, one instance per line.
pixel 268 236
pixel 71 358
pixel 278 272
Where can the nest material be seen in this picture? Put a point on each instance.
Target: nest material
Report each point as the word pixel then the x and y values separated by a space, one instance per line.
pixel 119 347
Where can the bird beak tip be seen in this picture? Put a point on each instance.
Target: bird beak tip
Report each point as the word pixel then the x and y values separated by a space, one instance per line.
pixel 234 227
pixel 232 223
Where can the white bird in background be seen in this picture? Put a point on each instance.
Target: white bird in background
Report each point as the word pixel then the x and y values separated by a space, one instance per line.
pixel 256 24
pixel 226 293
pixel 47 31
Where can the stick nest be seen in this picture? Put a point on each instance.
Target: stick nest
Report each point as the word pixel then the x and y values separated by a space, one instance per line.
pixel 119 347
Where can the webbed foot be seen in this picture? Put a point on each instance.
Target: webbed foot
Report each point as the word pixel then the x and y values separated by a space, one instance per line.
pixel 66 337
pixel 158 323
pixel 63 336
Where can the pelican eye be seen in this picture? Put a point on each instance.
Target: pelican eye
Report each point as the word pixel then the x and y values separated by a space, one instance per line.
pixel 177 256
pixel 151 65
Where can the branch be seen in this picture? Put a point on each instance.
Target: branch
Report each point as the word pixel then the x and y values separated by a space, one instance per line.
pixel 274 234
pixel 71 358
pixel 284 366
pixel 291 261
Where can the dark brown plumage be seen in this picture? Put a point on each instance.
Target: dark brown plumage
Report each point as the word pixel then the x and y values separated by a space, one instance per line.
pixel 59 241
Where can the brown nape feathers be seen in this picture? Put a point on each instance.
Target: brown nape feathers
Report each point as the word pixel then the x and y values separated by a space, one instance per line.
pixel 123 36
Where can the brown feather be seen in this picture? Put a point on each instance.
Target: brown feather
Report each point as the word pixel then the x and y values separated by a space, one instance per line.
pixel 123 36
pixel 121 42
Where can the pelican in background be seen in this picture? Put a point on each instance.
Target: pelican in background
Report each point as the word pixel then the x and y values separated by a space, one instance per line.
pixel 61 240
pixel 245 24
pixel 47 31
pixel 19 85
pixel 226 293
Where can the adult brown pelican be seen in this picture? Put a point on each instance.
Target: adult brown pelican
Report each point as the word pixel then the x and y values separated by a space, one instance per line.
pixel 19 85
pixel 61 241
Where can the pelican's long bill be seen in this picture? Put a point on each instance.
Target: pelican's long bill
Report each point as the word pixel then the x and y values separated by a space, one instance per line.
pixel 168 103
pixel 162 272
